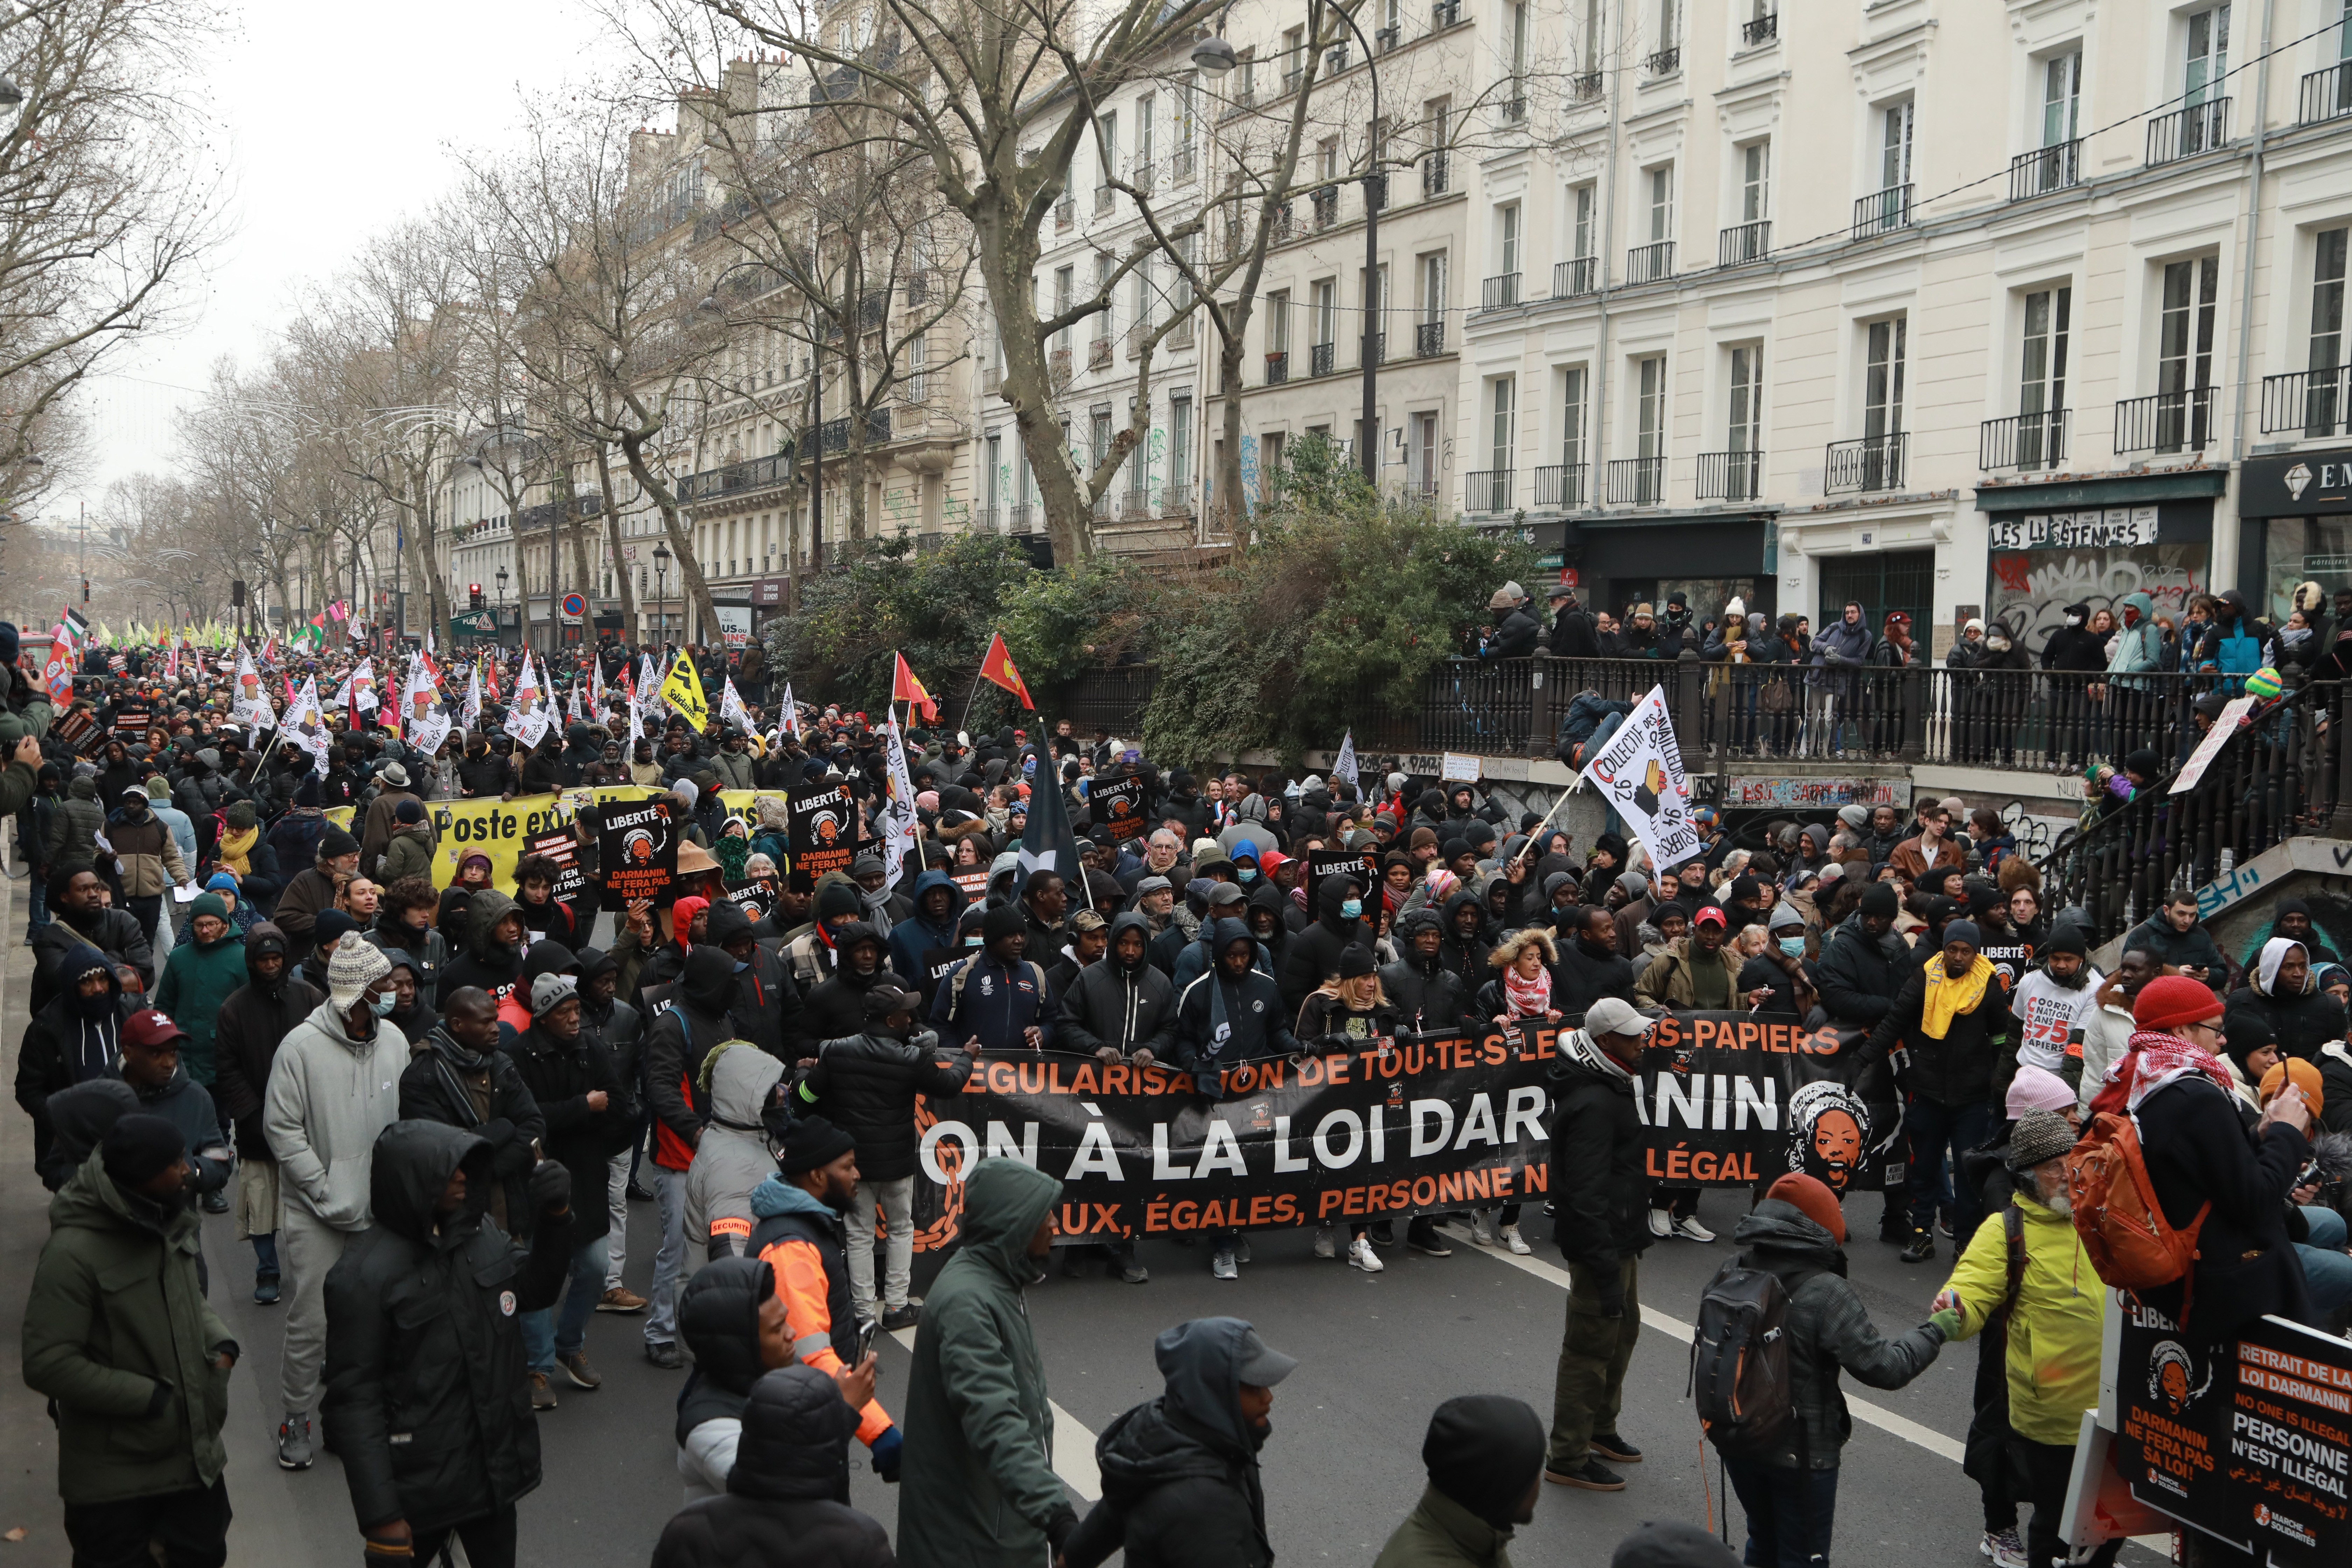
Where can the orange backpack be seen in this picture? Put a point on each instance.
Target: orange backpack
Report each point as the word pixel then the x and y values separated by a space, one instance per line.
pixel 2123 1229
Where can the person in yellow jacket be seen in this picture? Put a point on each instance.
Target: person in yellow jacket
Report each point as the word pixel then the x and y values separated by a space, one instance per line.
pixel 2055 1305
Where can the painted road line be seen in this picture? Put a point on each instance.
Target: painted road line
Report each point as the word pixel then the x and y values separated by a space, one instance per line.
pixel 1074 1443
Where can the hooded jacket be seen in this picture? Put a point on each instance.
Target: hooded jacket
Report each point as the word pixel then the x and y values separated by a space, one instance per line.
pixel 145 855
pixel 980 1488
pixel 70 1042
pixel 114 933
pixel 2054 1328
pixel 690 1025
pixel 1315 953
pixel 837 1007
pixel 117 1333
pixel 919 934
pixel 330 1096
pixel 428 1398
pixel 1466 955
pixel 768 1005
pixel 197 978
pixel 789 1467
pixel 1180 1473
pixel 73 827
pixel 559 1078
pixel 1221 1021
pixel 2301 1022
pixel 1827 1327
pixel 1111 1004
pixel 866 1084
pixel 1860 975
pixel 1430 997
pixel 253 1021
pixel 494 966
pixel 805 1241
pixel 1598 1181
pixel 732 1157
pixel 718 1319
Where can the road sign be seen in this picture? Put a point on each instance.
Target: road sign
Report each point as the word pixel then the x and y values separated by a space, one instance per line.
pixel 575 608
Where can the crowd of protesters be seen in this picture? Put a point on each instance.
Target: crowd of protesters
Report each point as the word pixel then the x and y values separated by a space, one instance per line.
pixel 427 1106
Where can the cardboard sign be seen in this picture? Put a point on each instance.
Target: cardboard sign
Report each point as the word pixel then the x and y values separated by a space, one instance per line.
pixel 1119 807
pixel 2232 715
pixel 563 847
pixel 1458 769
pixel 974 882
pixel 79 729
pixel 637 848
pixel 132 724
pixel 822 836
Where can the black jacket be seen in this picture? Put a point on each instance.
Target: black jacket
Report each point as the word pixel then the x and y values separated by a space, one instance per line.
pixel 1597 1182
pixel 692 1024
pixel 1516 637
pixel 866 1085
pixel 114 932
pixel 836 1007
pixel 1860 975
pixel 2300 1024
pixel 768 1005
pixel 63 1046
pixel 561 1078
pixel 2199 1152
pixel 1466 955
pixel 435 1085
pixel 1315 953
pixel 1106 1005
pixel 1583 976
pixel 1252 1006
pixel 427 1400
pixel 252 1023
pixel 493 966
pixel 792 1463
pixel 1961 1068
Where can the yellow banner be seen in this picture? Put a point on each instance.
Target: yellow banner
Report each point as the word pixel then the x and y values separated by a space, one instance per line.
pixel 681 691
pixel 497 827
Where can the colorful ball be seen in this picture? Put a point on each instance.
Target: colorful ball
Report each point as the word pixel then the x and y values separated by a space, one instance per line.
pixel 2265 684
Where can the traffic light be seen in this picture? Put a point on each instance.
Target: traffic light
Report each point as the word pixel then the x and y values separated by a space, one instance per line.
pixel 473 595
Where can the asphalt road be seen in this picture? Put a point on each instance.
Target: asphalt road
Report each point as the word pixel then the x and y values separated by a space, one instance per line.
pixel 1377 1353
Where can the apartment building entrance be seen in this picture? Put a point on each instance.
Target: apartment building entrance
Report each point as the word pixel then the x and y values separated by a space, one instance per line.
pixel 1884 582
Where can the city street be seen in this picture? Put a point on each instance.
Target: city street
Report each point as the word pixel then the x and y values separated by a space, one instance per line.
pixel 1377 1353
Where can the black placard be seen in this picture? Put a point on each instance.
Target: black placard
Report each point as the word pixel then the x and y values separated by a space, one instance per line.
pixel 1321 863
pixel 1118 807
pixel 822 835
pixel 754 896
pixel 637 852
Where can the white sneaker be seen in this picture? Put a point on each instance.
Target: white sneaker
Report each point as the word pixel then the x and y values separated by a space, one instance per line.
pixel 2006 1549
pixel 1661 1224
pixel 1511 1239
pixel 1361 1255
pixel 1221 1264
pixel 1482 1228
pixel 1690 1229
pixel 1326 1242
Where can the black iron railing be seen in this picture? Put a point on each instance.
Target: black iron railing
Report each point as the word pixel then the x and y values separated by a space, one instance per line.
pixel 1637 481
pixel 1883 212
pixel 1561 484
pixel 2024 440
pixel 1323 358
pixel 1499 293
pixel 1486 489
pixel 1871 463
pixel 1760 30
pixel 2185 132
pixel 2166 421
pixel 1663 62
pixel 1278 367
pixel 1575 276
pixel 1432 175
pixel 1648 263
pixel 1324 200
pixel 2326 94
pixel 1586 85
pixel 2305 402
pixel 1428 337
pixel 1730 475
pixel 2044 169
pixel 1743 243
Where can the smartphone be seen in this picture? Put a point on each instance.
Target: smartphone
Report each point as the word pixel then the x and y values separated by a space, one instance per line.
pixel 866 1332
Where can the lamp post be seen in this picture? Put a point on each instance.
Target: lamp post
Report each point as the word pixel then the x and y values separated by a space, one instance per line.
pixel 502 594
pixel 1215 57
pixel 661 590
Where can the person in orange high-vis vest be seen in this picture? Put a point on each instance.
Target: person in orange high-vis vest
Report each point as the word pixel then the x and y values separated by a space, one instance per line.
pixel 800 1236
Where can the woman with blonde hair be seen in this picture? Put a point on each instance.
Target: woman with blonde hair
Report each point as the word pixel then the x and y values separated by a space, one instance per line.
pixel 1350 1012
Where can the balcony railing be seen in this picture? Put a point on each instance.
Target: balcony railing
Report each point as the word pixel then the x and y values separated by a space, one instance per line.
pixel 1664 62
pixel 835 433
pixel 1637 481
pixel 1326 202
pixel 1429 338
pixel 1648 263
pixel 1586 85
pixel 1057 367
pixel 1103 197
pixel 1322 358
pixel 992 380
pixel 1872 463
pixel 1444 14
pixel 1065 212
pixel 2308 402
pixel 1579 275
pixel 1499 293
pixel 1486 489
pixel 1514 109
pixel 2326 94
pixel 1141 177
pixel 1883 212
pixel 1179 165
pixel 1098 354
pixel 1021 517
pixel 2044 169
pixel 1335 59
pixel 2178 421
pixel 2024 441
pixel 1284 229
pixel 1432 175
pixel 1560 485
pixel 1379 349
pixel 1730 475
pixel 1743 243
pixel 1278 367
pixel 1388 37
pixel 1761 30
pixel 2185 132
pixel 1292 76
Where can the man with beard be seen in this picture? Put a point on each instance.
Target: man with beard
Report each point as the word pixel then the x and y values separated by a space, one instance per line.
pixel 2053 1003
pixel 79 917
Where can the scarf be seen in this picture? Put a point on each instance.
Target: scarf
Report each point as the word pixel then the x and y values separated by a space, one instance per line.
pixel 1529 998
pixel 1585 1052
pixel 2157 1058
pixel 236 849
pixel 1948 996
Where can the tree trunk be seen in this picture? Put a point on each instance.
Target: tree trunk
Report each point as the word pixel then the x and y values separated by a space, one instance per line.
pixel 612 540
pixel 1008 263
pixel 1233 506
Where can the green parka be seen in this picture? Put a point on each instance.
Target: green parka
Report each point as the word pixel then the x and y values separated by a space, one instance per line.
pixel 980 1488
pixel 197 978
pixel 118 1332
pixel 1441 1533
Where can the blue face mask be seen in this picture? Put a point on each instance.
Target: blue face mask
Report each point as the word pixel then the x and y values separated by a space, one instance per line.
pixel 1352 908
pixel 1794 946
pixel 384 1004
pixel 741 967
pixel 1247 873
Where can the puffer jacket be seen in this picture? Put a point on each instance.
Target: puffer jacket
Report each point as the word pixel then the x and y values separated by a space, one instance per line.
pixel 1598 1182
pixel 1583 974
pixel 1828 1328
pixel 73 827
pixel 197 978
pixel 780 1504
pixel 1109 1004
pixel 428 1397
pixel 919 934
pixel 2301 1023
pixel 146 853
pixel 1430 999
pixel 330 1096
pixel 2139 648
pixel 866 1085
pixel 2054 1328
pixel 484 1094
pixel 732 1157
pixel 1860 975
pixel 1314 954
pixel 1971 1063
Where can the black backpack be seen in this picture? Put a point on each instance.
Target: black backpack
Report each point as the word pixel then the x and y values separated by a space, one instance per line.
pixel 1740 1361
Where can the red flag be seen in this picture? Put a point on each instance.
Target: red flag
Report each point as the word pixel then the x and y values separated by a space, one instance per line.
pixel 997 669
pixel 905 688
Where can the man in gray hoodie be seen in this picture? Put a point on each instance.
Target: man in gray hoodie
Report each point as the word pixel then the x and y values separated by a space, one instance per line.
pixel 334 1086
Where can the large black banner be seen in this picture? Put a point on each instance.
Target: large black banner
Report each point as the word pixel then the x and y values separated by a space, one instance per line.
pixel 1419 1124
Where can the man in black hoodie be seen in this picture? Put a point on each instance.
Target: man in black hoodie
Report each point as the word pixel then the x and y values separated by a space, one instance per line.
pixel 253 1022
pixel 1314 954
pixel 492 961
pixel 1180 1473
pixel 782 1500
pixel 837 1007
pixel 1430 997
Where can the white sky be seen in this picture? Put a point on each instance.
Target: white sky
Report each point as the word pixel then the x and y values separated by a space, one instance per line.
pixel 338 119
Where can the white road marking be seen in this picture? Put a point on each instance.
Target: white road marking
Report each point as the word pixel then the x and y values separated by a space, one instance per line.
pixel 1074 1442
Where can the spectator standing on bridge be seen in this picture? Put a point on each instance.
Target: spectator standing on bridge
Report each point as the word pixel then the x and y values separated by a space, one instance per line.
pixel 2181 942
pixel 1572 632
pixel 1517 635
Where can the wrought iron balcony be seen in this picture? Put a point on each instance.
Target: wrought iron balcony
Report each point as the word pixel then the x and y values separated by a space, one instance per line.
pixel 1432 175
pixel 1648 263
pixel 1761 30
pixel 1560 485
pixel 1730 475
pixel 1388 37
pixel 1637 481
pixel 1873 463
pixel 1883 212
pixel 2185 132
pixel 2308 402
pixel 1665 62
pixel 1179 165
pixel 1579 275
pixel 2179 421
pixel 2044 169
pixel 1486 489
pixel 2024 441
pixel 1744 243
pixel 1444 14
pixel 1322 358
pixel 1429 338
pixel 2326 94
pixel 1278 367
pixel 1324 200
pixel 1586 85
pixel 1499 293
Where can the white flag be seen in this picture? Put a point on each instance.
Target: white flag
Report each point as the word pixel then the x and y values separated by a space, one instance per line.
pixel 1640 773
pixel 732 709
pixel 525 721
pixel 306 725
pixel 900 834
pixel 789 716
pixel 470 714
pixel 361 687
pixel 1344 765
pixel 251 706
pixel 649 702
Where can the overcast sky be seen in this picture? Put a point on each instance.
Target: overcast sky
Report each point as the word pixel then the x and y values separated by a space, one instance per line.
pixel 338 121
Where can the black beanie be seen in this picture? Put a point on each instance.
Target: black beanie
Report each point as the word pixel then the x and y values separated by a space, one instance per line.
pixel 1003 920
pixel 1484 1451
pixel 335 843
pixel 138 1146
pixel 839 899
pixel 813 1141
pixel 1356 961
pixel 1880 898
pixel 2068 938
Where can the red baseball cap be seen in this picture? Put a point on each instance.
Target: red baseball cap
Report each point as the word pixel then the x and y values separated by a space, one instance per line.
pixel 1711 912
pixel 148 1028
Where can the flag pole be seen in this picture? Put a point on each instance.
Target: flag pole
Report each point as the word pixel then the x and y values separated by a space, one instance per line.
pixel 1536 836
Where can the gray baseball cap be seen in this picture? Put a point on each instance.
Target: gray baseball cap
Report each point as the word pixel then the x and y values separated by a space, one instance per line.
pixel 1259 1364
pixel 1612 1016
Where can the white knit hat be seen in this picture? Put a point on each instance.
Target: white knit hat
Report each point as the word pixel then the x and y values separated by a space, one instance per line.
pixel 355 966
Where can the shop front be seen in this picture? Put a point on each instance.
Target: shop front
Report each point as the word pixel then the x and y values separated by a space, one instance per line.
pixel 2297 508
pixel 2094 542
pixel 1709 558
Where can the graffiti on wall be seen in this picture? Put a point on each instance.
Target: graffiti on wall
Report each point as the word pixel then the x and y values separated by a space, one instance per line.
pixel 2030 590
pixel 1249 472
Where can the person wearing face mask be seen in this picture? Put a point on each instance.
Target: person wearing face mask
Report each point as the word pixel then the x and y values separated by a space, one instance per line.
pixel 139 1376
pixel 1315 951
pixel 457 1076
pixel 1781 970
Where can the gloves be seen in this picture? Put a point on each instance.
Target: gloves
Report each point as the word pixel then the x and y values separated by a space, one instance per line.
pixel 885 1451
pixel 1059 1530
pixel 1948 1322
pixel 551 1187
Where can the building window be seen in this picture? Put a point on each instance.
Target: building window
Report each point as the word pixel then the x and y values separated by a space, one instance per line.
pixel 1661 203
pixel 1746 412
pixel 918 354
pixel 1882 380
pixel 1505 423
pixel 1755 182
pixel 2041 386
pixel 1278 321
pixel 1572 421
pixel 1065 284
pixel 1180 445
pixel 1584 233
pixel 2062 96
pixel 1432 288
pixel 2209 56
pixel 1895 146
pixel 1327 312
pixel 1508 250
pixel 1650 409
pixel 1424 452
pixel 1106 147
pixel 2328 300
pixel 2184 351
pixel 1144 114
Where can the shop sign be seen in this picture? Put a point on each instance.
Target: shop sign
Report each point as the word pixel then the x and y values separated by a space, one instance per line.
pixel 2097 527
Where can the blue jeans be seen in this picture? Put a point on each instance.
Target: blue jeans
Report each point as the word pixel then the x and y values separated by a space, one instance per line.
pixel 2327 1271
pixel 546 1336
pixel 1790 1513
pixel 1935 1127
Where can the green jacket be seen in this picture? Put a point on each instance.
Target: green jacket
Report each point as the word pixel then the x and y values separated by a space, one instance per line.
pixel 408 853
pixel 17 780
pixel 197 978
pixel 980 1487
pixel 1441 1533
pixel 117 1334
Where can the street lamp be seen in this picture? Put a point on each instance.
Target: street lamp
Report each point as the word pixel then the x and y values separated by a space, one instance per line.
pixel 1212 56
pixel 661 588
pixel 502 591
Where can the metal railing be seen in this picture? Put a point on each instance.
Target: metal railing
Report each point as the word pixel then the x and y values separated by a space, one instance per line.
pixel 1561 484
pixel 1285 230
pixel 1577 275
pixel 1730 475
pixel 833 434
pixel 1883 212
pixel 1432 175
pixel 1515 109
pixel 1648 263
pixel 1499 293
pixel 1109 702
pixel 1743 243
pixel 2185 132
pixel 1098 354
pixel 1065 212
pixel 1141 177
pixel 2024 440
pixel 1324 200
pixel 2307 403
pixel 1444 14
pixel 1388 37
pixel 2044 169
pixel 1322 358
pixel 1179 165
pixel 1637 481
pixel 1104 195
pixel 1429 338
pixel 1760 30
pixel 1486 489
pixel 1664 62
pixel 1867 464
pixel 2324 95
pixel 1278 366
pixel 1586 85
pixel 1021 517
pixel 2166 422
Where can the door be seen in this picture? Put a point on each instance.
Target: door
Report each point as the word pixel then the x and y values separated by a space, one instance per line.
pixel 1892 580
